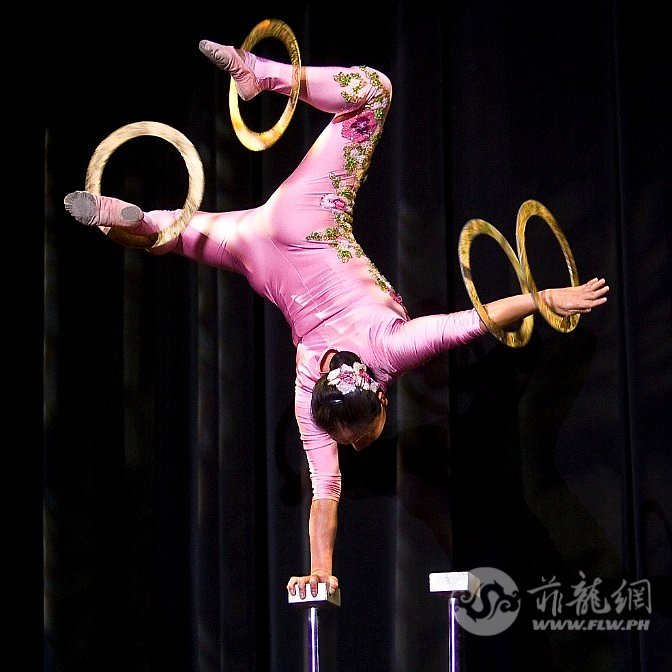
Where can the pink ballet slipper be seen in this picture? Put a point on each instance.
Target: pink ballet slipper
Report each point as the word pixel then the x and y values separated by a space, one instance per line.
pixel 93 210
pixel 238 63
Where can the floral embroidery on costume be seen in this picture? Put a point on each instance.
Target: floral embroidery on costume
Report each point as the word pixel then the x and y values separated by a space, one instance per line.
pixel 361 127
pixel 363 131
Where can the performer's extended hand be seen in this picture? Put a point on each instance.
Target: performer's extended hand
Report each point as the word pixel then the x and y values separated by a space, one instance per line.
pixel 318 576
pixel 580 299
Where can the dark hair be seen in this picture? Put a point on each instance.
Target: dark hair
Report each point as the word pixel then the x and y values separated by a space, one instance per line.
pixel 332 410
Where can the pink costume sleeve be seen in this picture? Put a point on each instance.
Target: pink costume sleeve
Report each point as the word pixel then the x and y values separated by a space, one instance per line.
pixel 406 345
pixel 412 343
pixel 321 451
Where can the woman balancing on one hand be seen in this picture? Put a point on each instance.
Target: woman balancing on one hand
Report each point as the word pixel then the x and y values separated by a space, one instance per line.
pixel 352 334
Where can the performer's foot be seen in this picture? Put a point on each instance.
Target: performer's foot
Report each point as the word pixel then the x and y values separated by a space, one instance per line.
pixel 93 210
pixel 238 63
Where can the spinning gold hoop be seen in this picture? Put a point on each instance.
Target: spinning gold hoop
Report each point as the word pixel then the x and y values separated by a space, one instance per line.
pixel 528 209
pixel 257 141
pixel 520 263
pixel 473 228
pixel 191 158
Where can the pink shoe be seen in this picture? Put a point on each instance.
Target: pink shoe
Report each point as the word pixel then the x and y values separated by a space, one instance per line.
pixel 238 63
pixel 92 210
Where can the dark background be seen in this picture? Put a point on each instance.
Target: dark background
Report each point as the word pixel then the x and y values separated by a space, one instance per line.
pixel 175 490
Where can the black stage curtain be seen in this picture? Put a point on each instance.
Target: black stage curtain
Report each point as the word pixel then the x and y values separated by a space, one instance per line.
pixel 175 489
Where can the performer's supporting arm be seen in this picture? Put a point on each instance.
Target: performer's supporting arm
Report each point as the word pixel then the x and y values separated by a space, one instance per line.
pixel 322 529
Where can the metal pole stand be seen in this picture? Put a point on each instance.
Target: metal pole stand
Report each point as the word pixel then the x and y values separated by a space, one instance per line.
pixel 452 585
pixel 314 604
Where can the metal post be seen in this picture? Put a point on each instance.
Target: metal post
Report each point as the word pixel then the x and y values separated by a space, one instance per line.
pixel 452 585
pixel 314 604
pixel 453 636
pixel 314 640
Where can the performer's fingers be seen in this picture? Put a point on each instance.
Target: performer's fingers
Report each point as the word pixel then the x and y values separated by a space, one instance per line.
pixel 332 585
pixel 598 286
pixel 291 584
pixel 301 584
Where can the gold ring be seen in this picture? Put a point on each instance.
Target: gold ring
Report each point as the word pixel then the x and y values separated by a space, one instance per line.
pixel 194 169
pixel 520 263
pixel 473 228
pixel 257 141
pixel 528 209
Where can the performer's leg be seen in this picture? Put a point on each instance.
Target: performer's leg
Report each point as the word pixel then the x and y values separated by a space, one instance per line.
pixel 323 187
pixel 209 238
pixel 330 89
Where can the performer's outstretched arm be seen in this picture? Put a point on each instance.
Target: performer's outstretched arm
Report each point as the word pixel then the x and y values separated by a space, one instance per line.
pixel 410 344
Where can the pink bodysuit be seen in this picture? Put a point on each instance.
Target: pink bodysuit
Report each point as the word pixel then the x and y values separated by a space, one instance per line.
pixel 298 251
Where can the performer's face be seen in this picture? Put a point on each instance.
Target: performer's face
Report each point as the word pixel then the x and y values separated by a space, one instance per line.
pixel 362 438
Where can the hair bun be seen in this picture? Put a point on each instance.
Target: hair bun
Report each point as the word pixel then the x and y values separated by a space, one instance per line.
pixel 343 357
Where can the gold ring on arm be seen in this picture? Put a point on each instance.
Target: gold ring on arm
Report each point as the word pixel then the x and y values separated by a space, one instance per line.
pixel 528 209
pixel 473 228
pixel 194 169
pixel 257 141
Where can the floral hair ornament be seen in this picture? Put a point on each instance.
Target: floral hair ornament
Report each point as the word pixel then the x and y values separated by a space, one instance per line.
pixel 348 378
